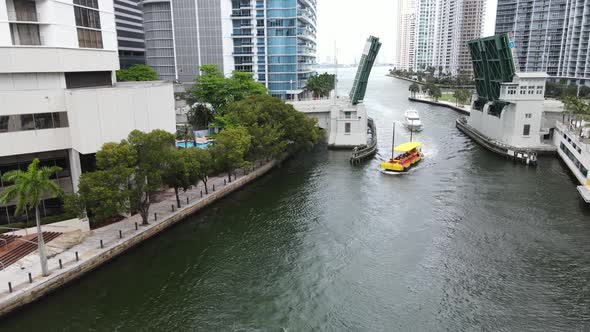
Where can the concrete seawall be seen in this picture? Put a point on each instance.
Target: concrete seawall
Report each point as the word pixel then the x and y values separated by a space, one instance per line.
pixel 25 292
pixel 431 102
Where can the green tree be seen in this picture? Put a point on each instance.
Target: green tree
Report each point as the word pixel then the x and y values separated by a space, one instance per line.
pixel 569 91
pixel 28 189
pixel 213 88
pixel 435 92
pixel 205 165
pixel 137 73
pixel 584 91
pixel 321 85
pixel 185 133
pixel 414 88
pixel 176 173
pixel 199 116
pixel 553 90
pixel 152 150
pixel 462 96
pixel 230 149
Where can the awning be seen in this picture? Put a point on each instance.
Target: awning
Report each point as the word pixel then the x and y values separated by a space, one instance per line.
pixel 407 146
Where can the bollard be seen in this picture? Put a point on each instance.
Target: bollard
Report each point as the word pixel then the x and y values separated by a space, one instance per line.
pixel 10 286
pixel 101 245
pixel 172 207
pixel 155 218
pixel 136 223
pixel 186 200
pixel 224 182
pixel 60 266
pixel 201 194
pixel 213 187
pixel 30 278
pixel 77 258
pixel 120 234
pixel 235 176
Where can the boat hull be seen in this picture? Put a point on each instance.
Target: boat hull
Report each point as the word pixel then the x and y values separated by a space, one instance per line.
pixel 399 167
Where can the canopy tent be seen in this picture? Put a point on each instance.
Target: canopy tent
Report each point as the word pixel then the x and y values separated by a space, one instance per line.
pixel 409 146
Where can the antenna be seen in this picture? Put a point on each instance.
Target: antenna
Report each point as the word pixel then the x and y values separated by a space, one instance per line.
pixel 335 72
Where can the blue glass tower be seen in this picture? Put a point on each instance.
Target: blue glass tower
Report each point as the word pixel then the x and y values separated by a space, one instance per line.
pixel 280 48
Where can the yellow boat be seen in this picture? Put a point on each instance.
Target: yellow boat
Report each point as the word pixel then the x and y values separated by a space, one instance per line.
pixel 409 154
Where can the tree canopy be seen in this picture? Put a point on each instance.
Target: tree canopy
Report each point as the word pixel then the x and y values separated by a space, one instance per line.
pixel 211 87
pixel 137 73
pixel 414 88
pixel 321 85
pixel 230 149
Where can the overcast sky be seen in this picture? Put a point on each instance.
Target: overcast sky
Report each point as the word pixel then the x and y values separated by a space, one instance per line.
pixel 350 22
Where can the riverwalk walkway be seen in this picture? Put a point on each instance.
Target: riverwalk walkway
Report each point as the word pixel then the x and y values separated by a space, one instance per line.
pixel 22 282
pixel 465 109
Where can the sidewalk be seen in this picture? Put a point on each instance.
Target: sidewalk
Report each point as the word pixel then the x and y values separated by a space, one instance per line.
pixel 466 109
pixel 116 238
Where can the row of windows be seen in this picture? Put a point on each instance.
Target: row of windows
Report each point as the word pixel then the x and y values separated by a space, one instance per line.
pixel 569 140
pixel 22 122
pixel 573 158
pixel 48 207
pixel 86 20
pixel 523 90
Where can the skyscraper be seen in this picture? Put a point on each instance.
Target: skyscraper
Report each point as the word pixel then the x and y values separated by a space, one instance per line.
pixel 181 36
pixel 459 21
pixel 539 33
pixel 425 33
pixel 130 38
pixel 276 41
pixel 405 34
pixel 549 36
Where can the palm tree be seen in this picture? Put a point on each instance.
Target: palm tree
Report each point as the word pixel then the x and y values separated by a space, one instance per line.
pixel 28 188
pixel 414 88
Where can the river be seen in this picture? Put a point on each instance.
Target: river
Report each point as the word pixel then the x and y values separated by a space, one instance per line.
pixel 467 241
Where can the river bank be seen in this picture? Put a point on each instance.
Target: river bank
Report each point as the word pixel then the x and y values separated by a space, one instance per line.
pixel 466 109
pixel 23 282
pixel 442 86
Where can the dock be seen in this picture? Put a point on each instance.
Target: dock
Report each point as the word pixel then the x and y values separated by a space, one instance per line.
pixel 363 152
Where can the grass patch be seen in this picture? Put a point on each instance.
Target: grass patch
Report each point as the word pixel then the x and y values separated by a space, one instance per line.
pixel 447 97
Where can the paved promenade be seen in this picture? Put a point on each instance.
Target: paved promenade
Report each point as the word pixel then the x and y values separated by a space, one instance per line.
pixel 116 238
pixel 465 109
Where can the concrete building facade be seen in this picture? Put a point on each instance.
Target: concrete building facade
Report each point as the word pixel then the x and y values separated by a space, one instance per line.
pixel 58 90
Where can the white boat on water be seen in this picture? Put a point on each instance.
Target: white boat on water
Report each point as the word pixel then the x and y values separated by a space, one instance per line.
pixel 412 121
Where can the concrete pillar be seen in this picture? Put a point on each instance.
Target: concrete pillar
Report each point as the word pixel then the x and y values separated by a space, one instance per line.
pixel 75 168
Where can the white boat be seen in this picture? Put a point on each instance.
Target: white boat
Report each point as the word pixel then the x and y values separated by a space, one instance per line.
pixel 412 121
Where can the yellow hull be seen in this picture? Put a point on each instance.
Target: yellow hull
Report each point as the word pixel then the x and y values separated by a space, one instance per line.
pixel 398 166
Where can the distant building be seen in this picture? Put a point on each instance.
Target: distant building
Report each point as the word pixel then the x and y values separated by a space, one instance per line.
pixel 458 22
pixel 276 41
pixel 183 35
pixel 425 16
pixel 60 98
pixel 549 36
pixel 405 34
pixel 130 38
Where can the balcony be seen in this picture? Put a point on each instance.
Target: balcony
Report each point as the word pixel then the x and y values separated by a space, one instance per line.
pixel 25 59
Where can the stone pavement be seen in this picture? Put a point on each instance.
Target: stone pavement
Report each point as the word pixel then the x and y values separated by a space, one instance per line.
pixel 116 238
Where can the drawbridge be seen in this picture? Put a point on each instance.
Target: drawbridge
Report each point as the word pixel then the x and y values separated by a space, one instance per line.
pixel 492 65
pixel 357 95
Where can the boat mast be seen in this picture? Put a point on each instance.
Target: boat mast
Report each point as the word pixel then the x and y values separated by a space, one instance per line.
pixel 411 131
pixel 393 141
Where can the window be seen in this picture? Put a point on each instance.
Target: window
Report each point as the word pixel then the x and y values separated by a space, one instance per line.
pixel 88 79
pixel 25 34
pixel 88 23
pixel 522 90
pixel 347 115
pixel 526 130
pixel 528 115
pixel 347 128
pixel 22 122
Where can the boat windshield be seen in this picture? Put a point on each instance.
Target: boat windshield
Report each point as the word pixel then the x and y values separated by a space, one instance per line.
pixel 413 119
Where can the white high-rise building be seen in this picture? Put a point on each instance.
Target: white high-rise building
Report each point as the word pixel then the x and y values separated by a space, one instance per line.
pixel 405 34
pixel 58 90
pixel 424 33
pixel 458 22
